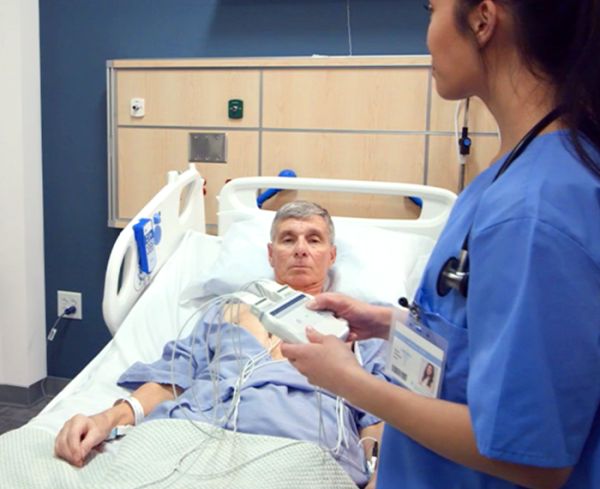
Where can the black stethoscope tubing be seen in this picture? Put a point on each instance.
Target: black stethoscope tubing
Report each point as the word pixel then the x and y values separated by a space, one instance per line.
pixel 454 273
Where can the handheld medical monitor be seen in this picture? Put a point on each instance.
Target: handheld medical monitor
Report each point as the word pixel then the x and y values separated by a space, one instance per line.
pixel 288 317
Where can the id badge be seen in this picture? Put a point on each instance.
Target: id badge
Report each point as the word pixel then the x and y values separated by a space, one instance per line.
pixel 416 356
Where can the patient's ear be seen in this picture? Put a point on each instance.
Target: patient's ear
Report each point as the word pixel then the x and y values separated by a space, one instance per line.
pixel 333 255
pixel 270 250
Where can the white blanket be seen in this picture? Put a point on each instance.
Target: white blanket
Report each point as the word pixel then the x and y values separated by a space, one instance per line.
pixel 175 454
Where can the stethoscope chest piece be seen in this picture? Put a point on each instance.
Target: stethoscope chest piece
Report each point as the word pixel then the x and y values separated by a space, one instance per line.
pixel 443 282
pixel 453 276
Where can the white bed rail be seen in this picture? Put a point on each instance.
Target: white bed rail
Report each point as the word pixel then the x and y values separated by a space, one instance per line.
pixel 237 201
pixel 181 207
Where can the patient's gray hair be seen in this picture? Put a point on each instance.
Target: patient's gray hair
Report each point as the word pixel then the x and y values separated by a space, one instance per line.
pixel 302 209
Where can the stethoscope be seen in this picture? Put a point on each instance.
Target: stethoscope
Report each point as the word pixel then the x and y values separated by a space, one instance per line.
pixel 455 274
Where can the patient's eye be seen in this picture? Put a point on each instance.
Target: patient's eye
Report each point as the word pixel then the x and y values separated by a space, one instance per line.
pixel 428 7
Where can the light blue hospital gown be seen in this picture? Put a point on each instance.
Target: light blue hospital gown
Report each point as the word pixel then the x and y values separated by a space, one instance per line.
pixel 524 348
pixel 276 400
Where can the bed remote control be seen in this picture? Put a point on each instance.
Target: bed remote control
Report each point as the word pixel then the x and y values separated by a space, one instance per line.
pixel 144 237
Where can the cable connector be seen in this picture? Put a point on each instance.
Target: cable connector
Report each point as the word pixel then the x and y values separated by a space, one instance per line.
pixel 69 311
pixel 465 142
pixel 372 464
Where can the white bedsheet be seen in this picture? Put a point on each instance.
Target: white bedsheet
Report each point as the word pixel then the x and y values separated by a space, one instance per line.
pixel 169 453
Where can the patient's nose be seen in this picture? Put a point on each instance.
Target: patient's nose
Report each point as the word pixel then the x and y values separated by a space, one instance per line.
pixel 301 248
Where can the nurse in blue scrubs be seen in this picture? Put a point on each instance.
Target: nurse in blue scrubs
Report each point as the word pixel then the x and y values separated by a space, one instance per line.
pixel 516 315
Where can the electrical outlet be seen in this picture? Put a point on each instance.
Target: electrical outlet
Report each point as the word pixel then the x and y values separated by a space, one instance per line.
pixel 68 299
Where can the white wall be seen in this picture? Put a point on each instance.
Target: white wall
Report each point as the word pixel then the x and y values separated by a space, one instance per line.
pixel 22 303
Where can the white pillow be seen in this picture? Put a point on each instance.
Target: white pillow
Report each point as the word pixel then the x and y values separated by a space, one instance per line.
pixel 372 265
pixel 379 266
pixel 243 257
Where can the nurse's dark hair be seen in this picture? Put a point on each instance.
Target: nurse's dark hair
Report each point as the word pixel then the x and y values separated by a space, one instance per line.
pixel 559 40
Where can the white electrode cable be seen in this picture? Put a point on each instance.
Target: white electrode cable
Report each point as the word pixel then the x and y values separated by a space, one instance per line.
pixel 227 309
pixel 204 308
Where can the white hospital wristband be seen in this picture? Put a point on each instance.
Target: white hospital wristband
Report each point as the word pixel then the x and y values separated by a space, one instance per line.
pixel 138 410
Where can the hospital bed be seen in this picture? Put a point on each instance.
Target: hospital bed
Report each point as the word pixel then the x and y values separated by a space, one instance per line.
pixel 378 261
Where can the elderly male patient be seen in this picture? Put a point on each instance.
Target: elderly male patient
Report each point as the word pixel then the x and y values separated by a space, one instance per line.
pixel 276 400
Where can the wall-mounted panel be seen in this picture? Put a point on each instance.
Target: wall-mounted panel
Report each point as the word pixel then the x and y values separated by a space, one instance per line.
pixel 444 169
pixel 359 118
pixel 188 98
pixel 373 99
pixel 147 155
pixel 373 157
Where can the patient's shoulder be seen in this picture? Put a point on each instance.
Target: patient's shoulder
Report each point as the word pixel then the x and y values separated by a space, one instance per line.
pixel 237 314
pixel 373 353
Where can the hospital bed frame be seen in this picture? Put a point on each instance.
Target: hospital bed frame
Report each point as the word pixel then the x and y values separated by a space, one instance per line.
pixel 145 309
pixel 181 207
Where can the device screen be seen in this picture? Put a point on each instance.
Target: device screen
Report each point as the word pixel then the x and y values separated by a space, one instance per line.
pixel 277 312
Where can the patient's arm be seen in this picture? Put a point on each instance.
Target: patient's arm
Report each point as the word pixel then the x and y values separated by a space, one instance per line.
pixel 373 431
pixel 82 433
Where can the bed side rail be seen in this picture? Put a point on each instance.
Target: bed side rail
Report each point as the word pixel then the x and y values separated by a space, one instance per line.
pixel 237 201
pixel 179 207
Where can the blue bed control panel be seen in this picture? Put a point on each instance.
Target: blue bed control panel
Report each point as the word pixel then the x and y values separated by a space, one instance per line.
pixel 143 231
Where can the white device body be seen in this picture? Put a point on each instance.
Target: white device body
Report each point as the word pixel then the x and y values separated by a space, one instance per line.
pixel 287 317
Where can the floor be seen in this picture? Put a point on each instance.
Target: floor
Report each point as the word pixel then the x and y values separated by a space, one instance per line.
pixel 12 417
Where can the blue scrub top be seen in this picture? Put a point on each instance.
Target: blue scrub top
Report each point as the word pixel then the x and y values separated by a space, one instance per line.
pixel 524 349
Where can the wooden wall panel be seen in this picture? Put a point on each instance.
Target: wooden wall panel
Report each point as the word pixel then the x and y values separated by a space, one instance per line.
pixel 374 157
pixel 321 117
pixel 356 99
pixel 443 168
pixel 188 98
pixel 146 155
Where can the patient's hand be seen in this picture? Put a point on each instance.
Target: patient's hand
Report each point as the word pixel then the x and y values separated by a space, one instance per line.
pixel 79 435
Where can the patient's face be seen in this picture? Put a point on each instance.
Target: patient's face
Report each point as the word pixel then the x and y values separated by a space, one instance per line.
pixel 301 254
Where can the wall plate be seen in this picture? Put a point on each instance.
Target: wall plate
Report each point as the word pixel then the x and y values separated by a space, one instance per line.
pixel 236 109
pixel 68 299
pixel 207 147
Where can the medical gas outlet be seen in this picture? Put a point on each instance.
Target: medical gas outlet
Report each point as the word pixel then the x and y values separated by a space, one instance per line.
pixel 137 107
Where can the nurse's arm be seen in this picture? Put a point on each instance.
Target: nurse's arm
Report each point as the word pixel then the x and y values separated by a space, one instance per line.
pixel 441 426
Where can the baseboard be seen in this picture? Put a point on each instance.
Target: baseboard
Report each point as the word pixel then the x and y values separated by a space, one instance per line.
pixel 11 395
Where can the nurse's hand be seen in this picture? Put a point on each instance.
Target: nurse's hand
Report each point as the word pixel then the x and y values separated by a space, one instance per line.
pixel 365 321
pixel 79 435
pixel 326 362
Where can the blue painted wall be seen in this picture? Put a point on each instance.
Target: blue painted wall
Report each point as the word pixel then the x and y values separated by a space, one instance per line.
pixel 78 36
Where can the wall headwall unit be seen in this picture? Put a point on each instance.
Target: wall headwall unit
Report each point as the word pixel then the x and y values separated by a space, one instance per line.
pixel 359 118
